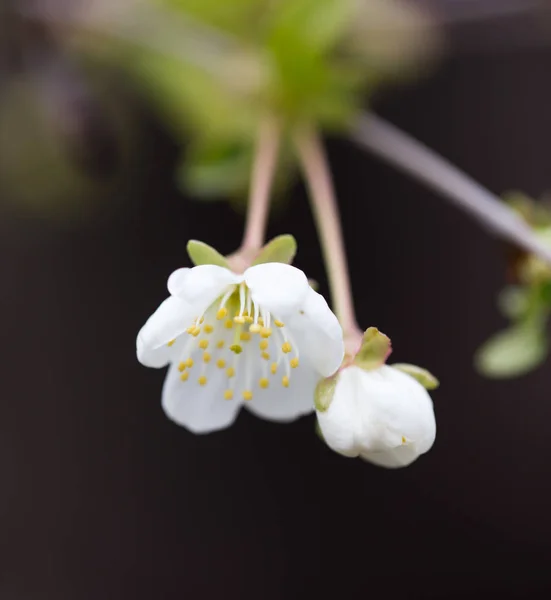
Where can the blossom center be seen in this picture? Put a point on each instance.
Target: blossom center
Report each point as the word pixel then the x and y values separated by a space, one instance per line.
pixel 237 336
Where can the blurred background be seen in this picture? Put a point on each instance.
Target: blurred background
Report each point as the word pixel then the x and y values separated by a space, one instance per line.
pixel 103 497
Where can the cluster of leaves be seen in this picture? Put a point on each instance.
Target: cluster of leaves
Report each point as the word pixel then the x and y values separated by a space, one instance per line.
pixel 295 60
pixel 526 303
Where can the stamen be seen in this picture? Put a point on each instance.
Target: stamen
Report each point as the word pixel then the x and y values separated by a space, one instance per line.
pixel 208 328
pixel 184 376
pixel 204 344
pixel 278 323
pixel 171 343
pixel 264 383
pixel 189 363
pixel 196 331
pixel 220 344
pixel 286 347
pixel 247 395
pixel 220 363
pixel 221 313
pixel 285 381
pixel 273 368
pixel 263 344
pixel 403 440
pixel 236 348
pixel 294 363
pixel 202 380
pixel 230 372
pixel 265 355
pixel 201 320
pixel 229 324
pixel 255 328
pixel 206 357
pixel 245 336
pixel 265 332
pixel 182 366
pixel 228 395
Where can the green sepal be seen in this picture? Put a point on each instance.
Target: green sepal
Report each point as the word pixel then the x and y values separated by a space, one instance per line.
pixel 374 350
pixel 203 254
pixel 323 395
pixel 424 377
pixel 281 249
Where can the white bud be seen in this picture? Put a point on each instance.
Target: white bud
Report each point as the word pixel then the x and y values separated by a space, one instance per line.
pixel 384 416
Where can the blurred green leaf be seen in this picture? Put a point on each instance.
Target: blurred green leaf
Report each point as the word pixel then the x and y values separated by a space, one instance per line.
pixel 512 352
pixel 514 301
pixel 203 254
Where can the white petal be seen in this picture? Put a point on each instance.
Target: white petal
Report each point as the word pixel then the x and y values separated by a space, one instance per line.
pixel 317 333
pixel 202 284
pixel 338 423
pixel 402 456
pixel 276 287
pixel 176 281
pixel 172 318
pixel 384 415
pixel 200 409
pixel 277 403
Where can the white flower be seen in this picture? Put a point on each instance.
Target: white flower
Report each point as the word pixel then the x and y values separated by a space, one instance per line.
pixel 264 338
pixel 383 415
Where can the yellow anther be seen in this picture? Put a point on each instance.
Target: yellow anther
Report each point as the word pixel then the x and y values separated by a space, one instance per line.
pixel 220 363
pixel 206 357
pixel 181 366
pixel 261 321
pixel 228 394
pixel 403 440
pixel 264 383
pixel 245 336
pixel 255 328
pixel 222 312
pixel 266 332
pixel 196 331
pixel 184 376
pixel 248 319
pixel 239 319
pixel 201 320
pixel 273 368
pixel 278 323
pixel 247 395
pixel 285 381
pixel 204 344
pixel 265 355
pixel 208 328
pixel 189 363
pixel 286 347
pixel 236 348
pixel 202 380
pixel 263 344
pixel 229 324
pixel 191 329
pixel 294 362
pixel 230 372
pixel 220 344
pixel 171 343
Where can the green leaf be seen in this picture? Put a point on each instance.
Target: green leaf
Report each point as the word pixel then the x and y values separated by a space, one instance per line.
pixel 281 249
pixel 512 352
pixel 513 301
pixel 424 377
pixel 203 254
pixel 325 390
pixel 374 350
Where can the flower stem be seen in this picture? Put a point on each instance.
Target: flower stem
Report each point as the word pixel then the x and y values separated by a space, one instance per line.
pixel 404 152
pixel 326 213
pixel 262 176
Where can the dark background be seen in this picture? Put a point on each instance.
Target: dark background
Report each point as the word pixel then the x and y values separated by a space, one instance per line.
pixel 102 497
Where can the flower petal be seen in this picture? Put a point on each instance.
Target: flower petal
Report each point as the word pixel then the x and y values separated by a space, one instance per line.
pixel 176 280
pixel 276 287
pixel 171 319
pixel 317 333
pixel 200 409
pixel 277 403
pixel 402 456
pixel 202 284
